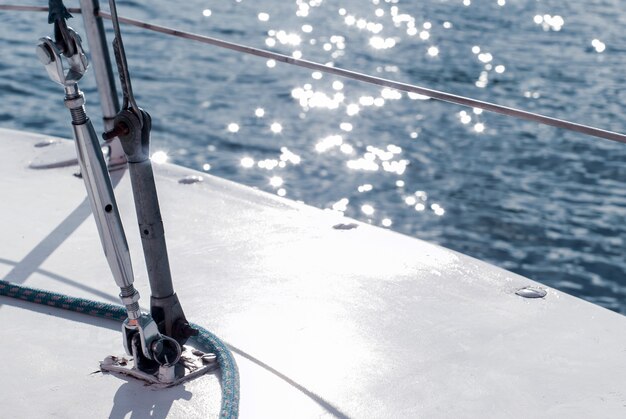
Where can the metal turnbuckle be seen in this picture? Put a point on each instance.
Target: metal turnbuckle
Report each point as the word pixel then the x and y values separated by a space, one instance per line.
pixel 132 126
pixel 155 355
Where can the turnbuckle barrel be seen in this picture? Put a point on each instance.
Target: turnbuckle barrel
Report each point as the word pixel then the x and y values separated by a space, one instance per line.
pixel 102 199
pixel 93 167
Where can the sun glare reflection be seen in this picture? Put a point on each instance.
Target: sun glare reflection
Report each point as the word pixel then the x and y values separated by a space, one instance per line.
pixel 247 162
pixel 598 45
pixel 378 42
pixel 364 159
pixel 276 128
pixel 367 209
pixel 159 157
pixel 341 205
pixel 276 181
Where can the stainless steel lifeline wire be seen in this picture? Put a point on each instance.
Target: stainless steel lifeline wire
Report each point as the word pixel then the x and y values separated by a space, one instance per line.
pixel 406 87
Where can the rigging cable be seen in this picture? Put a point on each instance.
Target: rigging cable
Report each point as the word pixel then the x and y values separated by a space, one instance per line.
pixel 406 87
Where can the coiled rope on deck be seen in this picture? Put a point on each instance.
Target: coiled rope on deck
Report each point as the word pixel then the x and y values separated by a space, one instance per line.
pixel 206 340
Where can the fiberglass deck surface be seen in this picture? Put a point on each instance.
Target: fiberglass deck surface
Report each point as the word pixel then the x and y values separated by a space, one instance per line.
pixel 323 322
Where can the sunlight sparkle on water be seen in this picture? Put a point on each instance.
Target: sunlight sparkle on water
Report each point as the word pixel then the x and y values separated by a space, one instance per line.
pixel 396 166
pixel 386 222
pixel 159 157
pixel 416 96
pixel 433 51
pixel 485 57
pixel 367 209
pixel 598 45
pixel 303 10
pixel 392 94
pixel 548 22
pixel 394 149
pixel 346 148
pixel 276 181
pixel 287 155
pixel 206 12
pixel 437 209
pixel 233 127
pixel 362 164
pixel 259 112
pixel 337 85
pixel 352 109
pixel 276 128
pixel 206 167
pixel 268 164
pixel 378 42
pixel 341 205
pixel 288 38
pixel 327 143
pixel 263 17
pixel 366 100
pixel 247 162
pixel 311 99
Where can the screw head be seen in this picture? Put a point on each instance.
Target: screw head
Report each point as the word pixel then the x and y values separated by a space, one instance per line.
pixel 531 292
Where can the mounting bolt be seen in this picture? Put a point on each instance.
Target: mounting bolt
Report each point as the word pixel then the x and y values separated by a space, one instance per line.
pixel 531 292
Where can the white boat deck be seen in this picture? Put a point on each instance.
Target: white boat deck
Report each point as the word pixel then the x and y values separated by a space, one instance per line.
pixel 323 322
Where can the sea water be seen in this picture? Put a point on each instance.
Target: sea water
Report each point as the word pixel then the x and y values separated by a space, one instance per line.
pixel 536 200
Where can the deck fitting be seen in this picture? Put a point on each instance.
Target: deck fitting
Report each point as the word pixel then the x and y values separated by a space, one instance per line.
pixel 196 363
pixel 187 180
pixel 531 292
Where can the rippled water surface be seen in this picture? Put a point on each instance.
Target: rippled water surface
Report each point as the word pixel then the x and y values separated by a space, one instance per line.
pixel 539 201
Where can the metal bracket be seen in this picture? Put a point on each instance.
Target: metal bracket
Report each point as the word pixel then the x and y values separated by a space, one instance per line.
pixel 50 56
pixel 194 363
